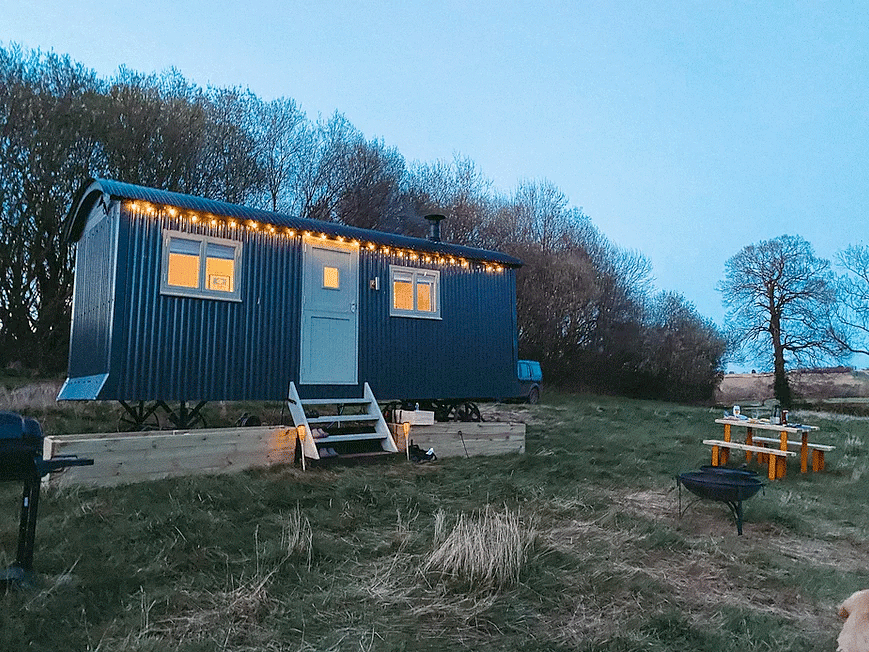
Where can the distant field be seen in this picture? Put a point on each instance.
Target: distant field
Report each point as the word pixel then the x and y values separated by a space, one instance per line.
pixel 576 545
pixel 813 386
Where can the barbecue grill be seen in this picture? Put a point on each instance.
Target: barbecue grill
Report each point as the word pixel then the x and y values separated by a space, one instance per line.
pixel 21 461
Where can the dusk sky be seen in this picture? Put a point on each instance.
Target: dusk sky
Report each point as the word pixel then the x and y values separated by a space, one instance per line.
pixel 684 129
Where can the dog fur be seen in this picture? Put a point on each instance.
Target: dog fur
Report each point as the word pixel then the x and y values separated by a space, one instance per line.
pixel 855 631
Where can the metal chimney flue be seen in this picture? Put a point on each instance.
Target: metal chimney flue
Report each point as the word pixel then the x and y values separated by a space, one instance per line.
pixel 434 233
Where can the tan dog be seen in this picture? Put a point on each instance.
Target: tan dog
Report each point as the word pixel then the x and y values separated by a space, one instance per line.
pixel 855 631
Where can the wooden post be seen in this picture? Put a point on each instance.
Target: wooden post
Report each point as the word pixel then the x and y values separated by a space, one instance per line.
pixel 300 436
pixel 783 446
pixel 714 455
pixel 724 453
pixel 405 426
pixel 804 452
pixel 772 473
pixel 749 439
pixel 817 460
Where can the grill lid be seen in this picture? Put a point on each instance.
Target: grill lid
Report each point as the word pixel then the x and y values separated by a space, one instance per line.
pixel 14 426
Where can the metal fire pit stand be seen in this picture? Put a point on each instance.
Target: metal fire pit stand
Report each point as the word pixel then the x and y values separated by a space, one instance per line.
pixel 728 486
pixel 734 505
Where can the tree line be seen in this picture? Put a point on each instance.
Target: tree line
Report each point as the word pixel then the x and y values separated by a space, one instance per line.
pixel 587 309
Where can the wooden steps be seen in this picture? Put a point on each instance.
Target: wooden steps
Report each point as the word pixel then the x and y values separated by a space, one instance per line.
pixel 332 428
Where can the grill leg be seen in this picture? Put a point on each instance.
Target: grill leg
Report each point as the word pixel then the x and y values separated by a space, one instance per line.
pixel 27 525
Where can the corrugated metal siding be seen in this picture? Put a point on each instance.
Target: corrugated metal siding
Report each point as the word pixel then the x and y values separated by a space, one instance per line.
pixel 184 348
pixel 90 337
pixel 469 353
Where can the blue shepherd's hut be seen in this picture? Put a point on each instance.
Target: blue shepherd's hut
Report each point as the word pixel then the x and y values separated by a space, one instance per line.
pixel 184 299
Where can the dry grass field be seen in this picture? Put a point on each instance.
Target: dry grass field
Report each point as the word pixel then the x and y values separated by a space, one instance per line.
pixel 576 545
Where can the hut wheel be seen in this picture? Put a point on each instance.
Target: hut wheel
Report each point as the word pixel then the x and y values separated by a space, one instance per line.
pixel 466 412
pixel 138 417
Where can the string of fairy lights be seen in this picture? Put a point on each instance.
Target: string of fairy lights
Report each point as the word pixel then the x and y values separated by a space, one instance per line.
pixel 231 224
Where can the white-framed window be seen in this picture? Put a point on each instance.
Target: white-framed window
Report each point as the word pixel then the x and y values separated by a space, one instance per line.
pixel 414 292
pixel 200 266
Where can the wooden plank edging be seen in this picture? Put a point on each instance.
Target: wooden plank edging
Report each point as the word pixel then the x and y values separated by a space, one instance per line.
pixel 121 458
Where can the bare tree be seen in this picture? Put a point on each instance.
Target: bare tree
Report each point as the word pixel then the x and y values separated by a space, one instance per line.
pixel 280 136
pixel 779 297
pixel 49 107
pixel 372 193
pixel 321 176
pixel 227 163
pixel 154 129
pixel 543 213
pixel 457 189
pixel 852 313
pixel 684 351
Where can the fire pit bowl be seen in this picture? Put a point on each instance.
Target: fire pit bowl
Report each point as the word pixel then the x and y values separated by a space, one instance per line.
pixel 728 471
pixel 728 486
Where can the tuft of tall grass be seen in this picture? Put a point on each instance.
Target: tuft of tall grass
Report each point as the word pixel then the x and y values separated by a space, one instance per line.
pixel 487 550
pixel 297 536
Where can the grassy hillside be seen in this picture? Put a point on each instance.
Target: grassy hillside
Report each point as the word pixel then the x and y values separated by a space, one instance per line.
pixel 576 545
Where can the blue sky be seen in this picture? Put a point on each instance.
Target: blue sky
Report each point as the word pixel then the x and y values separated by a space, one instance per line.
pixel 684 129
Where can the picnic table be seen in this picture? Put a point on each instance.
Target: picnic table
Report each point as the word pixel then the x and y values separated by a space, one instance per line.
pixel 756 445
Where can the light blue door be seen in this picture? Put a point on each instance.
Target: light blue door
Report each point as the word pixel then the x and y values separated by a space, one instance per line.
pixel 330 322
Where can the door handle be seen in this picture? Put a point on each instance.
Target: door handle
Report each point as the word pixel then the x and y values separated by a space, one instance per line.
pixel 352 306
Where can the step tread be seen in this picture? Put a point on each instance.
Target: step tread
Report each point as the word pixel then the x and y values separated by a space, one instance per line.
pixel 344 456
pixel 343 418
pixel 360 436
pixel 369 454
pixel 335 401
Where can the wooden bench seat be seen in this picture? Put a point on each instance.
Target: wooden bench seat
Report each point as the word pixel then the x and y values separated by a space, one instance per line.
pixel 796 444
pixel 818 450
pixel 776 457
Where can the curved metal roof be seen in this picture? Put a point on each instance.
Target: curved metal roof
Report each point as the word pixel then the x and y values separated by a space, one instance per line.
pixel 93 189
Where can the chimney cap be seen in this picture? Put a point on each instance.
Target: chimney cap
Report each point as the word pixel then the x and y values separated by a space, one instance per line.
pixel 435 221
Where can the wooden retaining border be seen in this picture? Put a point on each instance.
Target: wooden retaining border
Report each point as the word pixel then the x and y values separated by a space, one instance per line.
pixel 465 439
pixel 127 457
pixel 121 458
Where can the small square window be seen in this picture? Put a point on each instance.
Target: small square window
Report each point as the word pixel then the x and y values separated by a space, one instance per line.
pixel 200 266
pixel 415 292
pixel 331 278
